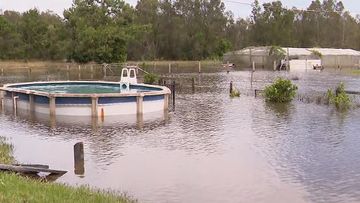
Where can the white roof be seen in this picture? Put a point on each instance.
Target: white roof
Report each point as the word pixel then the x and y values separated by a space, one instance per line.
pixel 330 51
pixel 262 51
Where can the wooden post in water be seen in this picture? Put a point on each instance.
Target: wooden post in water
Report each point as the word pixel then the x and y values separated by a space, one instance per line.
pixel 250 55
pixel 79 75
pixel 105 72
pixel 68 72
pixel 2 104
pixel 2 100
pixel 199 66
pixel 12 99
pixel 79 163
pixel 92 71
pixel 288 60
pixel 274 65
pixel 252 73
pixel 15 104
pixel 29 72
pixel 169 67
pixel 102 115
pixel 193 84
pixel 173 93
pixel 231 87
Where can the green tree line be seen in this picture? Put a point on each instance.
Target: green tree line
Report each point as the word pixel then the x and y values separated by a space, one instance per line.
pixel 114 31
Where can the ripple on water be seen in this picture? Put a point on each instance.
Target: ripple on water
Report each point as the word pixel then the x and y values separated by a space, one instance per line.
pixel 212 148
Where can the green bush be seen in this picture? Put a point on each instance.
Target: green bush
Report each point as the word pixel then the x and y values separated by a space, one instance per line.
pixel 339 98
pixel 281 91
pixel 316 53
pixel 234 93
pixel 277 52
pixel 150 78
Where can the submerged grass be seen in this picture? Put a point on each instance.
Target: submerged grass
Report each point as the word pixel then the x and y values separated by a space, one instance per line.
pixel 355 72
pixel 15 188
pixel 6 152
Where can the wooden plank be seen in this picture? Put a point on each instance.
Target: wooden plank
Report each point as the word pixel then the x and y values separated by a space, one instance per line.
pixel 33 165
pixel 352 92
pixel 27 169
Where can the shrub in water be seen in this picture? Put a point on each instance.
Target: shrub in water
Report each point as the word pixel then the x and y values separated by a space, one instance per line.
pixel 281 91
pixel 150 78
pixel 235 93
pixel 339 98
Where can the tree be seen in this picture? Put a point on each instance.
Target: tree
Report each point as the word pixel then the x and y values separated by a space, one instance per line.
pixel 11 45
pixel 99 30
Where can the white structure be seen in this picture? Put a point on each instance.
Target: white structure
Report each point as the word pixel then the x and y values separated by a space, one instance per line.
pixel 128 75
pixel 304 65
pixel 301 59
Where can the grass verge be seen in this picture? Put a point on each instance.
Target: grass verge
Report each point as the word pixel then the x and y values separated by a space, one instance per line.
pixel 15 188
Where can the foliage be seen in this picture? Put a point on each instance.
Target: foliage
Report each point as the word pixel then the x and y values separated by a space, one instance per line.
pixel 150 78
pixel 98 30
pixel 281 91
pixel 6 151
pixel 339 98
pixel 234 93
pixel 355 72
pixel 113 31
pixel 316 53
pixel 277 52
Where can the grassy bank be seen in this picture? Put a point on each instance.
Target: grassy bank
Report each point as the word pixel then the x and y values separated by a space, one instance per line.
pixel 14 188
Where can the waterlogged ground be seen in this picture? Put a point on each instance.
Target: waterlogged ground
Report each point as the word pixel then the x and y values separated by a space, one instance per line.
pixel 211 148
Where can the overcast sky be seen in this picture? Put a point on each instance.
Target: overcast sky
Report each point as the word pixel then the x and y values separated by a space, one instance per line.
pixel 239 10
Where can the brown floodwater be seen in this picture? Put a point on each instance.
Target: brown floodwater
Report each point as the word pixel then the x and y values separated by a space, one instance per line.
pixel 210 148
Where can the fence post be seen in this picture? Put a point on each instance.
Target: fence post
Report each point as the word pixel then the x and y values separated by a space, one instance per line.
pixel 193 84
pixel 199 66
pixel 252 73
pixel 274 65
pixel 29 72
pixel 173 93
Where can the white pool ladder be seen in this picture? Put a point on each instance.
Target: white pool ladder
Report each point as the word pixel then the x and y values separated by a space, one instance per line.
pixel 128 75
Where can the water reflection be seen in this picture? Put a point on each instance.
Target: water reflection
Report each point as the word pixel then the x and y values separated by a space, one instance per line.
pixel 280 110
pixel 313 150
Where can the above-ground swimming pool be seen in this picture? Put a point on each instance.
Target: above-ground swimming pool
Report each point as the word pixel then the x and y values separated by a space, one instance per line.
pixel 83 98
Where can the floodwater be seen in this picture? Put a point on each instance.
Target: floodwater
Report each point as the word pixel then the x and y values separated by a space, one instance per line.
pixel 210 148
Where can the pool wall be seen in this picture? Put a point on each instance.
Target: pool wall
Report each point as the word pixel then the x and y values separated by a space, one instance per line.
pixel 95 105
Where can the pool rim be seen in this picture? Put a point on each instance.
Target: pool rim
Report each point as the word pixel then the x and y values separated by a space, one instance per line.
pixel 8 87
